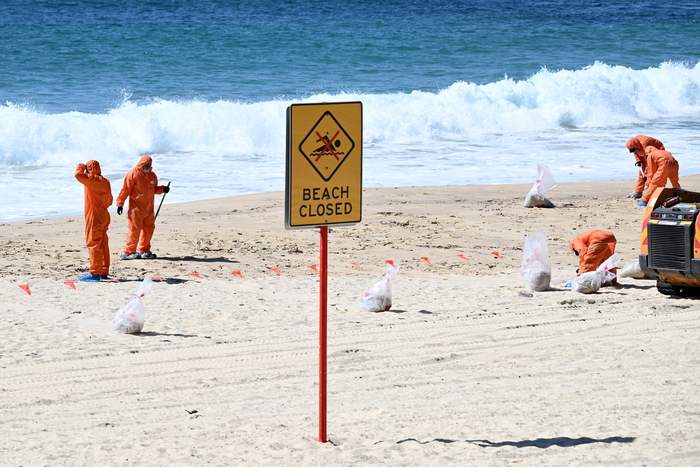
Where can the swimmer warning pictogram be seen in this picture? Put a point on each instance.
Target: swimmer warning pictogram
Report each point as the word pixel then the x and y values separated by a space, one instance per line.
pixel 327 146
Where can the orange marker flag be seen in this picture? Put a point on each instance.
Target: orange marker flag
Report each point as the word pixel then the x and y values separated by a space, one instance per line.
pixel 425 258
pixel 356 265
pixel 71 285
pixel 314 267
pixel 238 273
pixel 391 262
pixel 496 254
pixel 26 289
pixel 196 275
pixel 276 270
pixel 463 257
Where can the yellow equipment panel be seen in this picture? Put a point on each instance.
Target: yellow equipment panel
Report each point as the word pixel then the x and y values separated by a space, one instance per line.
pixel 324 165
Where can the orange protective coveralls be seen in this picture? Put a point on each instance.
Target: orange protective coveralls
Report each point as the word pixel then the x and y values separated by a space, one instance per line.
pixel 140 187
pixel 641 142
pixel 593 247
pixel 98 197
pixel 662 167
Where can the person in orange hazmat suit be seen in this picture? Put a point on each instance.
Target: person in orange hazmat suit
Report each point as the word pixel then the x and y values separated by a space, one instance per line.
pixel 98 197
pixel 592 248
pixel 140 186
pixel 637 146
pixel 662 167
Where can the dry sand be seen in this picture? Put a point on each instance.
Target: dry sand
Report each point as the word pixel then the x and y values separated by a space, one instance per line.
pixel 461 371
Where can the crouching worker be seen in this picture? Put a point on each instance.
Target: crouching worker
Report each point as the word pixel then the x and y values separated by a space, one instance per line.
pixel 140 186
pixel 98 197
pixel 593 248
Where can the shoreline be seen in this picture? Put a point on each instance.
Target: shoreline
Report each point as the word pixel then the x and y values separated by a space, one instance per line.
pixel 461 370
pixel 112 208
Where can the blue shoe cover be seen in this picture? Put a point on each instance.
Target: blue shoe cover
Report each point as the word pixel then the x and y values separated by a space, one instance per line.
pixel 89 277
pixel 641 203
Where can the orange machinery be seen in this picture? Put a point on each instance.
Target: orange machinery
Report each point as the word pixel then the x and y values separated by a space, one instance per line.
pixel 670 241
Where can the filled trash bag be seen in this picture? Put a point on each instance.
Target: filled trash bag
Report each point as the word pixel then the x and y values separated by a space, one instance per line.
pixel 129 319
pixel 378 297
pixel 545 182
pixel 536 269
pixel 590 282
pixel 607 270
pixel 632 269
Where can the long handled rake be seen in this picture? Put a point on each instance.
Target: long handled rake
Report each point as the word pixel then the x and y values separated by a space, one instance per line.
pixel 161 204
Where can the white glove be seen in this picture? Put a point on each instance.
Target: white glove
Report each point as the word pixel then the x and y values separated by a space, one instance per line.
pixel 634 194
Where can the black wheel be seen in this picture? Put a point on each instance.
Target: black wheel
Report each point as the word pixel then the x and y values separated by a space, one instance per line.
pixel 677 290
pixel 665 288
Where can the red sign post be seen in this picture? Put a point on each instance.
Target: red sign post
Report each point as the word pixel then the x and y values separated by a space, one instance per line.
pixel 323 334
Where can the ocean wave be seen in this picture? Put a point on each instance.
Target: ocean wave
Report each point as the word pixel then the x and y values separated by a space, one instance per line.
pixel 598 96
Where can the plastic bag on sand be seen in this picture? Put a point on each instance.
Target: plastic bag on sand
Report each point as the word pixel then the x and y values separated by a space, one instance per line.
pixel 631 269
pixel 605 269
pixel 536 269
pixel 378 297
pixel 545 182
pixel 129 319
pixel 590 282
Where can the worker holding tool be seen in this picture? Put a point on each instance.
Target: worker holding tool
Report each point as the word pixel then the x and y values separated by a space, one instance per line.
pixel 98 197
pixel 637 146
pixel 140 186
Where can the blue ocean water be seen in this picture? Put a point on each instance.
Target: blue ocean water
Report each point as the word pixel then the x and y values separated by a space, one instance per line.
pixel 453 92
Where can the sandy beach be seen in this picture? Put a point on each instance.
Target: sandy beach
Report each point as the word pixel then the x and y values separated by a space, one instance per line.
pixel 461 371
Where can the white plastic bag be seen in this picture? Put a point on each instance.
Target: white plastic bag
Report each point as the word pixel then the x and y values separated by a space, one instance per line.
pixel 605 269
pixel 536 269
pixel 545 182
pixel 378 297
pixel 632 269
pixel 588 282
pixel 130 318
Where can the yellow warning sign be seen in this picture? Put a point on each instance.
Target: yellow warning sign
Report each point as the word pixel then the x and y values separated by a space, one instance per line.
pixel 324 165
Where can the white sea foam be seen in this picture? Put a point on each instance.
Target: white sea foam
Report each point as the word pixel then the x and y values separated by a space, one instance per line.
pixel 576 122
